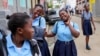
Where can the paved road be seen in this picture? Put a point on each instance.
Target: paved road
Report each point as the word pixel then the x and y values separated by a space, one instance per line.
pixel 80 42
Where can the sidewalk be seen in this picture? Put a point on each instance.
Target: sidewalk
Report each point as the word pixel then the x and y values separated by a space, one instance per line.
pixel 97 19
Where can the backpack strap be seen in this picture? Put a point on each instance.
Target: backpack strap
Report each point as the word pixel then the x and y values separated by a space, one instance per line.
pixel 39 21
pixel 56 27
pixel 34 48
pixel 3 46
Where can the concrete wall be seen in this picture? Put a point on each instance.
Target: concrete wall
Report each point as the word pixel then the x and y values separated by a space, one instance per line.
pixel 1 4
pixel 97 8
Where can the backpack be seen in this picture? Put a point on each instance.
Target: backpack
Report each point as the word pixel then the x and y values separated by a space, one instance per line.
pixel 39 32
pixel 3 46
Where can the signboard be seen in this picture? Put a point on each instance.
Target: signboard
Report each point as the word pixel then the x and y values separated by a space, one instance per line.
pixel 92 1
pixel 91 7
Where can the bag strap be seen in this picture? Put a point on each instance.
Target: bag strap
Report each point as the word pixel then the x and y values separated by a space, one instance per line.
pixel 34 48
pixel 39 21
pixel 56 26
pixel 5 46
pixel 3 43
pixel 1 48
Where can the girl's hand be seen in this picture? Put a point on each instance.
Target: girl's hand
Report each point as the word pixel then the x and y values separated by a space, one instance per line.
pixel 68 22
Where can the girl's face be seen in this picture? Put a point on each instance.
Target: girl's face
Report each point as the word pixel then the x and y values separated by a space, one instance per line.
pixel 87 7
pixel 40 10
pixel 27 31
pixel 64 15
pixel 35 13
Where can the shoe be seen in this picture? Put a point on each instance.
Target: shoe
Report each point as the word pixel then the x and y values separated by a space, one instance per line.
pixel 88 47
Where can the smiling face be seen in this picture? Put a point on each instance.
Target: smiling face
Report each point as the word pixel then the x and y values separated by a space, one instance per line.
pixel 64 15
pixel 35 13
pixel 38 11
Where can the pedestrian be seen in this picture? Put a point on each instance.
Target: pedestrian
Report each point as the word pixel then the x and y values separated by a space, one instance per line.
pixel 87 18
pixel 18 42
pixel 65 30
pixel 39 22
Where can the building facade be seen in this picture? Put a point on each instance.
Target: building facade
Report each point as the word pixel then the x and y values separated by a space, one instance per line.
pixel 94 6
pixel 80 6
pixel 17 5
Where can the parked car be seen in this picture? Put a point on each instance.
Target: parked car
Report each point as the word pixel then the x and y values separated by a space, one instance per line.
pixel 52 16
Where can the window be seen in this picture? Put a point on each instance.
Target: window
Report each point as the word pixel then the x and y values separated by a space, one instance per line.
pixel 23 3
pixel 10 2
pixel 29 3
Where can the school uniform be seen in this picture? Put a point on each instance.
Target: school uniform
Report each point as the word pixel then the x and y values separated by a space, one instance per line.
pixel 40 22
pixel 86 17
pixel 15 51
pixel 64 45
pixel 25 50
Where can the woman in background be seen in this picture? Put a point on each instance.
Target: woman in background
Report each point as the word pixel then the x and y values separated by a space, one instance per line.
pixel 87 19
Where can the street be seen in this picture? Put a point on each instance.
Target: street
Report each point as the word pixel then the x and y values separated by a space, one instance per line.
pixel 44 13
pixel 80 42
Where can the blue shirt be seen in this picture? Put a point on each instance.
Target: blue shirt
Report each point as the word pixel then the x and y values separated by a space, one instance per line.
pixel 63 32
pixel 42 22
pixel 86 15
pixel 13 50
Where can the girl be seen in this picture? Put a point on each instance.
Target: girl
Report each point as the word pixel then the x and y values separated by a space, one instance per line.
pixel 65 30
pixel 86 24
pixel 39 21
pixel 18 41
